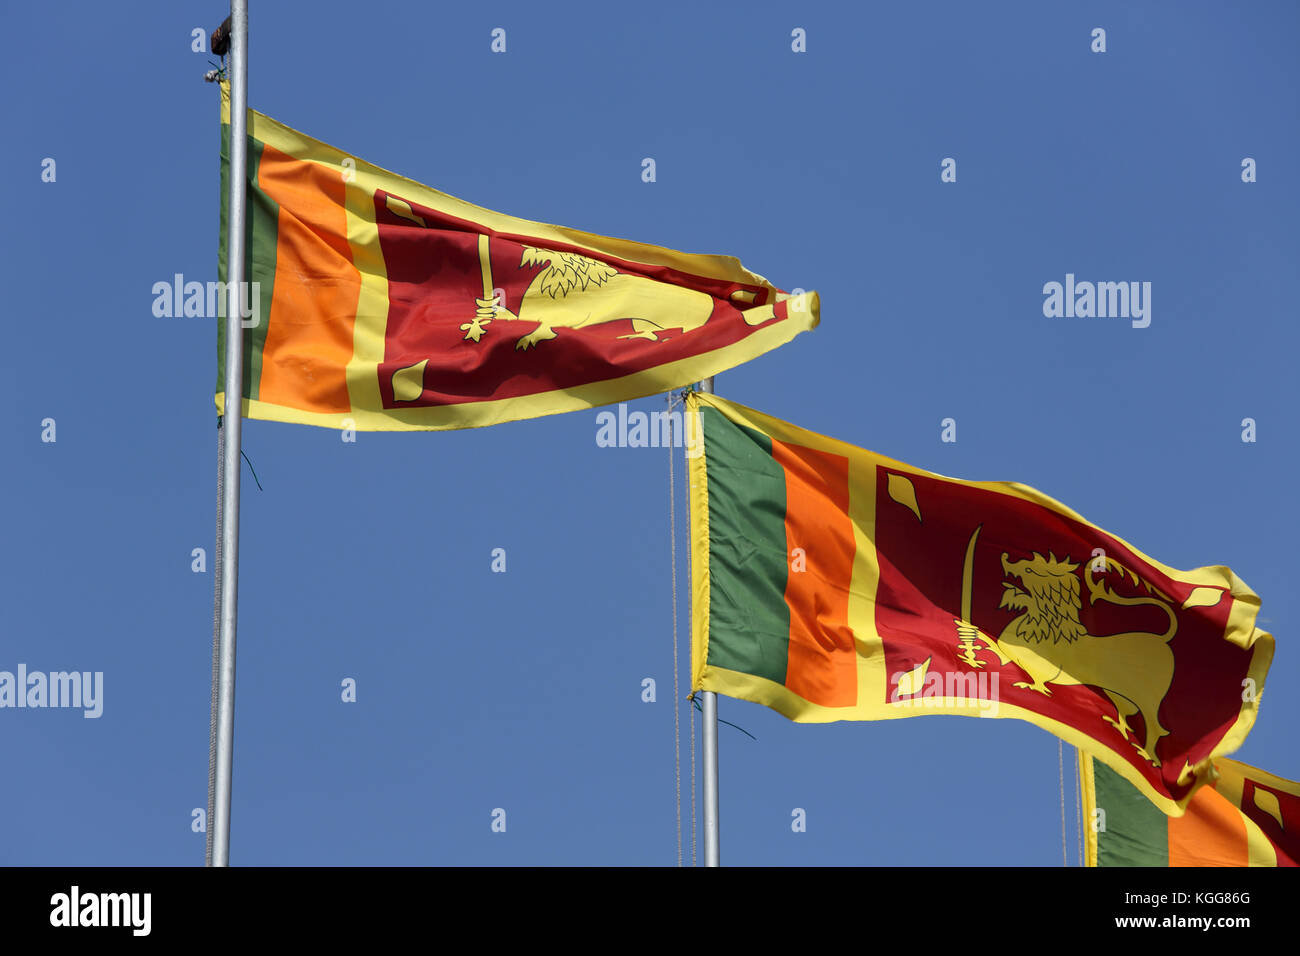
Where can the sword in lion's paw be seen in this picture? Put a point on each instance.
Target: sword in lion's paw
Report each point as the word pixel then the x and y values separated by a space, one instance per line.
pixel 967 633
pixel 487 305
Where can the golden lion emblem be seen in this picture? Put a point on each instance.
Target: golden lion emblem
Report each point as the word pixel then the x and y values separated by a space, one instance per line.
pixel 1052 646
pixel 574 292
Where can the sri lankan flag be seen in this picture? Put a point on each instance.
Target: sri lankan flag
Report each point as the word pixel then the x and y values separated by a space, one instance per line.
pixel 831 583
pixel 386 305
pixel 1245 817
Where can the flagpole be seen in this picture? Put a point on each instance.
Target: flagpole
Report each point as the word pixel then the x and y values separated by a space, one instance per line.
pixel 709 704
pixel 223 703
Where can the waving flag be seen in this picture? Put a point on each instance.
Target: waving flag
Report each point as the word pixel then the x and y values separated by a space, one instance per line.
pixel 378 303
pixel 1245 817
pixel 831 583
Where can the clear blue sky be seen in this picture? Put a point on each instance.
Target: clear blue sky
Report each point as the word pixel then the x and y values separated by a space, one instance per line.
pixel 522 690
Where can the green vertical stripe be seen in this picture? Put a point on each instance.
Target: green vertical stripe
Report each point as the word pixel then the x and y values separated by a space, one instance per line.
pixel 260 237
pixel 749 622
pixel 1136 830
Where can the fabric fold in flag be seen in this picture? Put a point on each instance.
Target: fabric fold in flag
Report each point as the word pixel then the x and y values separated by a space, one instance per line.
pixel 376 303
pixel 832 583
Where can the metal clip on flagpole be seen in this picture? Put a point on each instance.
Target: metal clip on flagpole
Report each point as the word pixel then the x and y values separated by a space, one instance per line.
pixel 709 705
pixel 224 692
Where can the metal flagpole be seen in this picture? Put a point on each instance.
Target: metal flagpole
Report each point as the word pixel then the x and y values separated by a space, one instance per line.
pixel 228 582
pixel 709 704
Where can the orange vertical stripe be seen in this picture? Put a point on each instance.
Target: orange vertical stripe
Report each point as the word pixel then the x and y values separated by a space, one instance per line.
pixel 821 665
pixel 314 304
pixel 1211 833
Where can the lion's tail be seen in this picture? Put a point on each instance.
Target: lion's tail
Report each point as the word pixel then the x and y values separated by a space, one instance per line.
pixel 1099 591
